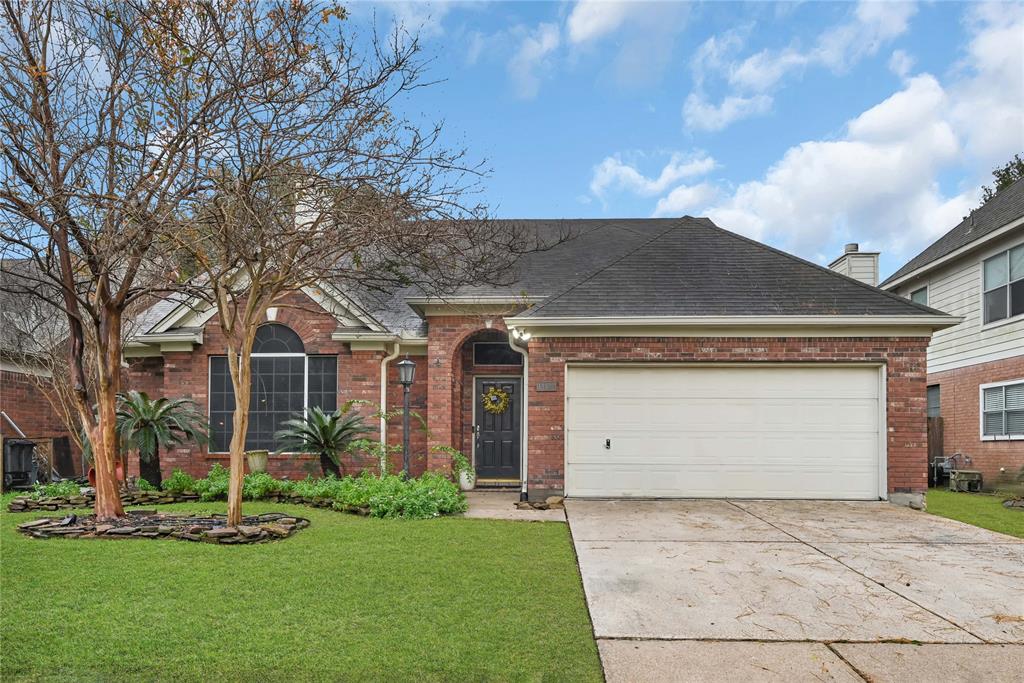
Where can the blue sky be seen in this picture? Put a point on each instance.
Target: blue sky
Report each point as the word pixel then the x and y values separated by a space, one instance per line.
pixel 804 125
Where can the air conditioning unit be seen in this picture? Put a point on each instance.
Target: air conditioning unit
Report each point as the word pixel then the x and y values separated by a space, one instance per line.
pixel 965 480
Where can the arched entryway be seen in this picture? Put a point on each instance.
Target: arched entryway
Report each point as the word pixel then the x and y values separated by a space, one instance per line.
pixel 489 401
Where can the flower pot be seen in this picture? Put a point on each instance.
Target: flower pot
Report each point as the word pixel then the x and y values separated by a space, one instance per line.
pixel 91 475
pixel 467 480
pixel 257 460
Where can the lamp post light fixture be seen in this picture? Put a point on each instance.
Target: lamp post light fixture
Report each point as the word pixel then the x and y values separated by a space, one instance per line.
pixel 406 375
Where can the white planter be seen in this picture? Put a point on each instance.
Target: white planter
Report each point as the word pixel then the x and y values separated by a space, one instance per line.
pixel 467 481
pixel 257 460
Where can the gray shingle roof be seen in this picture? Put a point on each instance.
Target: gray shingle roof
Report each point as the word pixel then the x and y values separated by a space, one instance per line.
pixel 691 267
pixel 659 267
pixel 1006 206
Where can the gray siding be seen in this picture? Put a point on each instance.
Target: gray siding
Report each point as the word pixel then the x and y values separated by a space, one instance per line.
pixel 956 288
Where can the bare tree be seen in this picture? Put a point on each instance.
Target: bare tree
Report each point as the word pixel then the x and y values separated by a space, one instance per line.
pixel 112 117
pixel 322 184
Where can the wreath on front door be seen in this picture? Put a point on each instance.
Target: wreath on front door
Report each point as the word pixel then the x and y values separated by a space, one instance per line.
pixel 495 401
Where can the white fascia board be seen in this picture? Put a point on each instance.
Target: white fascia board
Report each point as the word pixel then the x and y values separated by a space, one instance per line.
pixel 192 336
pixel 346 303
pixel 955 254
pixel 372 335
pixel 772 326
pixel 462 300
pixel 470 305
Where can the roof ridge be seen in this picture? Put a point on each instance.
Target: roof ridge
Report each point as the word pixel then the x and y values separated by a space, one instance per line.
pixel 993 205
pixel 600 270
pixel 793 257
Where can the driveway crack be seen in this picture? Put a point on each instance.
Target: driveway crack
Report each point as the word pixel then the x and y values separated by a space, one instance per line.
pixel 859 573
pixel 847 662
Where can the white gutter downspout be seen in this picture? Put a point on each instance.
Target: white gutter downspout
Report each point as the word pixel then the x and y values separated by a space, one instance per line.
pixel 384 392
pixel 525 422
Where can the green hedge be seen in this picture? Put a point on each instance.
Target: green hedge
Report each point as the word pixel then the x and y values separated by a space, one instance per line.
pixel 390 496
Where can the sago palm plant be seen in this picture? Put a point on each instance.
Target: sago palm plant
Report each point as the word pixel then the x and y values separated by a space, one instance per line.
pixel 148 426
pixel 326 434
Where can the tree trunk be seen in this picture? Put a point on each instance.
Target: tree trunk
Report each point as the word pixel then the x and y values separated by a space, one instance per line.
pixel 104 433
pixel 328 467
pixel 150 470
pixel 241 379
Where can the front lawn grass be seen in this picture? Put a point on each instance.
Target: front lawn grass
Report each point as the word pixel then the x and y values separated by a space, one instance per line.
pixel 349 598
pixel 978 509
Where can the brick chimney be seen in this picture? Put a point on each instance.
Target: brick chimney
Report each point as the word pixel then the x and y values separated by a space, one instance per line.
pixel 860 265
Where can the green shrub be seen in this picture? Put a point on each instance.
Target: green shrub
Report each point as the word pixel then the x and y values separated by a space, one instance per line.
pixel 391 496
pixel 259 485
pixel 143 485
pixel 179 482
pixel 215 485
pixel 57 489
pixel 394 496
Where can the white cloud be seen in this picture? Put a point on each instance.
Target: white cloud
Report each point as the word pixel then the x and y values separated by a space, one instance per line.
pixel 644 33
pixel 591 19
pixel 699 114
pixel 615 174
pixel 415 16
pixel 752 79
pixel 762 71
pixel 988 103
pixel 875 185
pixel 685 199
pixel 531 57
pixel 901 63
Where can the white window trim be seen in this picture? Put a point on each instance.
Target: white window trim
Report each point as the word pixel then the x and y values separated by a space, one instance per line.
pixel 981 412
pixel 981 270
pixel 918 289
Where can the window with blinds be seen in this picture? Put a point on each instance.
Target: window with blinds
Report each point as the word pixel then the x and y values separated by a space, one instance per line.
pixel 1003 411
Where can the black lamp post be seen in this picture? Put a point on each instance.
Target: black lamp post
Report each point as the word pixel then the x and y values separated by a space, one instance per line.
pixel 406 374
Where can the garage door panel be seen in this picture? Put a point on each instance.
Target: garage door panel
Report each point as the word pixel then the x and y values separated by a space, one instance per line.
pixel 795 433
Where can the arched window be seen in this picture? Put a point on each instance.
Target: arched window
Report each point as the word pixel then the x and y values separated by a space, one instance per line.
pixel 276 338
pixel 285 383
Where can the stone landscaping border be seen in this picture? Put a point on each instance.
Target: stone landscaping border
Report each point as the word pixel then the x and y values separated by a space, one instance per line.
pixel 263 528
pixel 131 498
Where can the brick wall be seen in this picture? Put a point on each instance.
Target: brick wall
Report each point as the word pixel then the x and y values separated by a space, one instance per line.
pixel 186 374
pixel 22 400
pixel 960 407
pixel 446 377
pixel 904 359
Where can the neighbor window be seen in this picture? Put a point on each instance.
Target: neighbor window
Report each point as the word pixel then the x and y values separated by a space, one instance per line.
pixel 1004 285
pixel 920 296
pixel 285 383
pixel 934 407
pixel 495 353
pixel 1002 410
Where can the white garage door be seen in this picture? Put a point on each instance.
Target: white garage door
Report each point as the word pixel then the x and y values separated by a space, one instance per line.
pixel 723 431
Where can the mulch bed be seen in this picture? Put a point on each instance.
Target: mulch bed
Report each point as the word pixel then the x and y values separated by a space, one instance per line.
pixel 149 524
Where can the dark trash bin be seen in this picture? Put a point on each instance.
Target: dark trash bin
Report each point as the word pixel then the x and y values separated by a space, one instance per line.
pixel 20 469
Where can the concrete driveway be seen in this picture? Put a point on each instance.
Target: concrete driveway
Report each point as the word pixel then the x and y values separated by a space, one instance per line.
pixel 718 590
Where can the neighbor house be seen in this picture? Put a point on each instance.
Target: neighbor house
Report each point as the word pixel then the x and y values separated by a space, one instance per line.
pixel 976 369
pixel 30 332
pixel 654 358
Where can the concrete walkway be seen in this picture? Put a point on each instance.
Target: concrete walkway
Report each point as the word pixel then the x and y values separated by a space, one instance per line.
pixel 715 590
pixel 502 505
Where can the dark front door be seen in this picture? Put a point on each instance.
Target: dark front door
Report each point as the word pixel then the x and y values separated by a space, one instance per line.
pixel 497 435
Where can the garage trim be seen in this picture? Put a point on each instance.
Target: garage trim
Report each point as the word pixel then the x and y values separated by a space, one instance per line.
pixel 883 460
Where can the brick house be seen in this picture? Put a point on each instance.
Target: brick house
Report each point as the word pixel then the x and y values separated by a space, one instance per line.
pixel 650 358
pixel 27 328
pixel 976 369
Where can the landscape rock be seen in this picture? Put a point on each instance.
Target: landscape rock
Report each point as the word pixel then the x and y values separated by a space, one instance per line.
pixel 143 525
